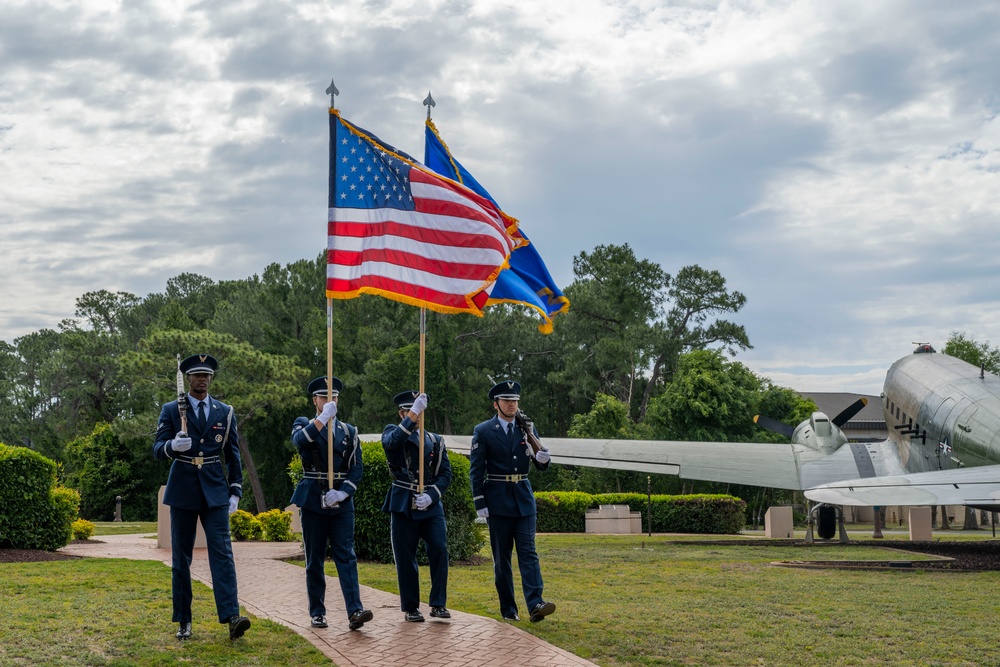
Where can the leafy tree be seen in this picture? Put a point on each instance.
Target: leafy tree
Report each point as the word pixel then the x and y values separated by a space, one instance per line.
pixel 608 419
pixel 102 466
pixel 969 350
pixel 709 399
pixel 697 295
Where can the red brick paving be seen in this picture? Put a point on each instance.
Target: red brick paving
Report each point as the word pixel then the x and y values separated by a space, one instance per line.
pixel 275 590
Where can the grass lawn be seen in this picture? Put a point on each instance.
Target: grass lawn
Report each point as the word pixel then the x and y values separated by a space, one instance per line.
pixel 622 600
pixel 634 600
pixel 116 613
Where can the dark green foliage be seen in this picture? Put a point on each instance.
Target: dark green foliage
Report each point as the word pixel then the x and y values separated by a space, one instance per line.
pixel 277 525
pixel 465 538
pixel 102 466
pixel 34 512
pixel 562 511
pixel 715 514
pixel 371 524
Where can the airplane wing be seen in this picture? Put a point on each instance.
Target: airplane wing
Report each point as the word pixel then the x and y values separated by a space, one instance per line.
pixel 976 487
pixel 772 465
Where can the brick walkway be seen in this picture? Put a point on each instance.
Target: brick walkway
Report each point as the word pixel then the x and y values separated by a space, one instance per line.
pixel 276 591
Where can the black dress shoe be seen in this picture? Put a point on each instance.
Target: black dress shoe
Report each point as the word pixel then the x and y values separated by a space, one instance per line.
pixel 413 616
pixel 512 617
pixel 238 625
pixel 541 610
pixel 319 621
pixel 440 612
pixel 184 632
pixel 359 618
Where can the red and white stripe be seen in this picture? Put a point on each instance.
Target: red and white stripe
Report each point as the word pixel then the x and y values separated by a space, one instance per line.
pixel 445 253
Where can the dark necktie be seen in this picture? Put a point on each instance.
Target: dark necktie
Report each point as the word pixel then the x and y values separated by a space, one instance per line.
pixel 510 430
pixel 201 416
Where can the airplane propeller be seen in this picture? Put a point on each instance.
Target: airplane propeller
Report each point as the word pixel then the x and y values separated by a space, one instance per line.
pixel 781 428
pixel 848 413
pixel 787 430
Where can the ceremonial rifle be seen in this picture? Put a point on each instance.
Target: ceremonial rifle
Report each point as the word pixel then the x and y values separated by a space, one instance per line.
pixel 529 432
pixel 181 398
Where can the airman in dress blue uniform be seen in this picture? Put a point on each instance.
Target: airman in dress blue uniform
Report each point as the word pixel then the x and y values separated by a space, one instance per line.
pixel 417 514
pixel 500 459
pixel 328 509
pixel 198 488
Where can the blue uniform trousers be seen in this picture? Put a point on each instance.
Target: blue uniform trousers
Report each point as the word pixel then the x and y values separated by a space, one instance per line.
pixel 183 527
pixel 406 533
pixel 506 532
pixel 337 530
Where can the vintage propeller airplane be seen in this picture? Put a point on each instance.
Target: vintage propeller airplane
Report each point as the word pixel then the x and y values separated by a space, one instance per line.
pixel 943 416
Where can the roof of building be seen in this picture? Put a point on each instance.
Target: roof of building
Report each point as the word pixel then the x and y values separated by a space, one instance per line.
pixel 832 403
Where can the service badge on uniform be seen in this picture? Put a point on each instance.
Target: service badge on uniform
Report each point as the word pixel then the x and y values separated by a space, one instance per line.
pixel 218 438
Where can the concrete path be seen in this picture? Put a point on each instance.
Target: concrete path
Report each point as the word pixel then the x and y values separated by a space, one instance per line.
pixel 272 589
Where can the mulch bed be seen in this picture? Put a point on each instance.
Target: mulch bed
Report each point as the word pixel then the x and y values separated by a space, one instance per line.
pixel 32 556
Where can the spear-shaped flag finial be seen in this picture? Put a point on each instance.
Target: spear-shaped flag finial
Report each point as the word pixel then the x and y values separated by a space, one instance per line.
pixel 429 102
pixel 332 92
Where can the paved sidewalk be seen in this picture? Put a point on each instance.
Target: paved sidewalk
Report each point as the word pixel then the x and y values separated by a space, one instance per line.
pixel 272 589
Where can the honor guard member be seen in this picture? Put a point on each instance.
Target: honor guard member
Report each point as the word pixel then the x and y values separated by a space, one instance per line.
pixel 197 488
pixel 328 513
pixel 417 515
pixel 500 458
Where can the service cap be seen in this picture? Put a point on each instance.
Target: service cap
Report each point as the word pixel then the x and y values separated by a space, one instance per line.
pixel 199 363
pixel 318 386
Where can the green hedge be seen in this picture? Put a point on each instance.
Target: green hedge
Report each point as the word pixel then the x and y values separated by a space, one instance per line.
pixel 565 511
pixel 245 527
pixel 34 512
pixel 371 524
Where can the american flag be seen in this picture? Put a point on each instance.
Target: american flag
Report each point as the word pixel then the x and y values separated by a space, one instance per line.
pixel 398 230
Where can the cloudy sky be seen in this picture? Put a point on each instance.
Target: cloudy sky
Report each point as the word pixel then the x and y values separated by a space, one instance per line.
pixel 837 162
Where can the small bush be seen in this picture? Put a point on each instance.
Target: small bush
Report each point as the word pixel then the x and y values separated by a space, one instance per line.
pixel 82 529
pixel 244 527
pixel 277 525
pixel 34 512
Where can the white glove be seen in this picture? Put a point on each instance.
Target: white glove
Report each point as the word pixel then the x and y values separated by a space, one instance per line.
pixel 180 443
pixel 234 503
pixel 329 412
pixel 542 456
pixel 423 501
pixel 483 513
pixel 335 496
pixel 419 404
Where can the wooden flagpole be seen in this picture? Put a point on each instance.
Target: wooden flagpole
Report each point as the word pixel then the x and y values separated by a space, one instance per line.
pixel 423 345
pixel 329 391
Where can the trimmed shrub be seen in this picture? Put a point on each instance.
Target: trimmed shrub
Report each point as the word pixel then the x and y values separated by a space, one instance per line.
pixel 371 525
pixel 34 512
pixel 562 511
pixel 244 527
pixel 565 511
pixel 277 525
pixel 82 529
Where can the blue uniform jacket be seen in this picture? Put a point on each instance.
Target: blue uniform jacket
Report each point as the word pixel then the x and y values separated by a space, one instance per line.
pixel 188 484
pixel 401 443
pixel 312 446
pixel 492 453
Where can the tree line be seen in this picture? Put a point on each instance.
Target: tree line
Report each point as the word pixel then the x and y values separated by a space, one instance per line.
pixel 641 353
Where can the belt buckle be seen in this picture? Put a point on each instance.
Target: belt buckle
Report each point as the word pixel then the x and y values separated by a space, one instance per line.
pixel 198 461
pixel 510 478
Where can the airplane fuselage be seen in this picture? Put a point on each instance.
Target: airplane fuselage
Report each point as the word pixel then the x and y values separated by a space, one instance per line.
pixel 941 413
